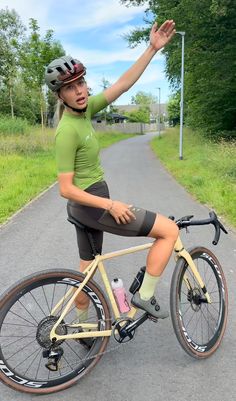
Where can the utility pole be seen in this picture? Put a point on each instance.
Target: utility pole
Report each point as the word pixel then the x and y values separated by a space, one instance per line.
pixel 159 112
pixel 181 98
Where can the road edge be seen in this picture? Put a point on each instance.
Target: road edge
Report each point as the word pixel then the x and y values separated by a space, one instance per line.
pixel 9 219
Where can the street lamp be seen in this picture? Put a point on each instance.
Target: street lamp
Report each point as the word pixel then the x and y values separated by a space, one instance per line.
pixel 181 98
pixel 159 112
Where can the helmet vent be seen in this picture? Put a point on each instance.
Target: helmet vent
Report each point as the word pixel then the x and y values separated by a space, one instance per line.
pixel 68 66
pixel 59 69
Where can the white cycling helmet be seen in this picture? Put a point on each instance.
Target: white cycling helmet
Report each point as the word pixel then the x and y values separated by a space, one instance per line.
pixel 62 71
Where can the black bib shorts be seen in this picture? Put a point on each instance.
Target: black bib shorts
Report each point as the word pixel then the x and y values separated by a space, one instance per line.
pixel 98 220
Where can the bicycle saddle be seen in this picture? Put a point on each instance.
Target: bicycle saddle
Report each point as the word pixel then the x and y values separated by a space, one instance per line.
pixel 72 220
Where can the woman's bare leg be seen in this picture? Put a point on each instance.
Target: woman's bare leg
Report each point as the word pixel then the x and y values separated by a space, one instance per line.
pixel 82 301
pixel 165 231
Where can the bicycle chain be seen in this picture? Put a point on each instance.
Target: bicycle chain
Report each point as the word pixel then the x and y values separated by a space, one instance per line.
pixel 104 352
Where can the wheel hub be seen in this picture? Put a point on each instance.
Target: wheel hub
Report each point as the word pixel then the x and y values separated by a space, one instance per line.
pixel 44 329
pixel 195 298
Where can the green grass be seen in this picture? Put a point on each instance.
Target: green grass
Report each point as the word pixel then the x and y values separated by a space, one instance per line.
pixel 207 171
pixel 27 166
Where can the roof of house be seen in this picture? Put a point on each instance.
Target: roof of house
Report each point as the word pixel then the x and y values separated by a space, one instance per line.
pixel 153 107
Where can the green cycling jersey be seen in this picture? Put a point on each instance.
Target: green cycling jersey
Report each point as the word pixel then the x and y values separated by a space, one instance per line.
pixel 77 147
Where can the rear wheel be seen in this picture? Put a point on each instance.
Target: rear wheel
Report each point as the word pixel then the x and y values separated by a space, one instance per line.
pixel 199 326
pixel 25 324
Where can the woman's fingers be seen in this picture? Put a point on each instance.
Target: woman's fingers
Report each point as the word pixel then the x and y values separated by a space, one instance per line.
pixel 127 217
pixel 154 27
pixel 167 27
pixel 122 213
pixel 171 29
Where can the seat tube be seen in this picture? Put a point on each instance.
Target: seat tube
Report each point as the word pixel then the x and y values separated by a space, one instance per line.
pixel 108 289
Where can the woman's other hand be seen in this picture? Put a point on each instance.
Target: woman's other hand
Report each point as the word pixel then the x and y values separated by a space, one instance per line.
pixel 121 212
pixel 159 37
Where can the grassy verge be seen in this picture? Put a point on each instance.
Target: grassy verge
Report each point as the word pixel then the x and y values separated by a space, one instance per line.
pixel 208 170
pixel 27 166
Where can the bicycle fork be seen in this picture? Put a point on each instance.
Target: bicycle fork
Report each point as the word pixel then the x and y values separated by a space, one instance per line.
pixel 181 252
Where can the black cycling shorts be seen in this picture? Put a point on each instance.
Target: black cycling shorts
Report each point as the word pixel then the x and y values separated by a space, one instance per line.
pixel 98 220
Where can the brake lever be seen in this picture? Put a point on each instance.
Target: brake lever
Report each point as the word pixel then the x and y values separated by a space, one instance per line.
pixel 222 228
pixel 218 226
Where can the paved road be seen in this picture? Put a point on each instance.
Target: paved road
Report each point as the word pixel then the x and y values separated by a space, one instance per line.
pixel 152 367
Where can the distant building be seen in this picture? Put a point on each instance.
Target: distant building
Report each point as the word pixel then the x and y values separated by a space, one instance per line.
pixel 154 110
pixel 111 118
pixel 119 117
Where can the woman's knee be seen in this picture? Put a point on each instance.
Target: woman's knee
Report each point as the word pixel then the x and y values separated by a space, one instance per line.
pixel 174 230
pixel 164 228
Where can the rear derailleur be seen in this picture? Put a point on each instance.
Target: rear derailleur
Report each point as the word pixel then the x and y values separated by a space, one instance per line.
pixel 54 356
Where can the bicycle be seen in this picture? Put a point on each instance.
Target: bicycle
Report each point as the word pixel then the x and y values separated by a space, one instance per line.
pixel 43 347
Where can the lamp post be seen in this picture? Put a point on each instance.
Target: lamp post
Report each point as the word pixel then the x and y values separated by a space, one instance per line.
pixel 159 112
pixel 181 98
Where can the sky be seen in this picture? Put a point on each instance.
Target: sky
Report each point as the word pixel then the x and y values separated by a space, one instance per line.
pixel 92 31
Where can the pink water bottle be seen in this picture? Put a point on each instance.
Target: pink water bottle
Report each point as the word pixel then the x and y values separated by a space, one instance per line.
pixel 120 295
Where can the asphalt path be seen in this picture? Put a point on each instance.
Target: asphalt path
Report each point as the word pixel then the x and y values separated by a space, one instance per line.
pixel 153 366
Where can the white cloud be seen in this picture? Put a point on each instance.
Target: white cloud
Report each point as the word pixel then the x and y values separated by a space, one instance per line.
pixel 101 57
pixel 71 15
pixel 93 14
pixel 29 9
pixel 118 33
pixel 151 78
pixel 91 30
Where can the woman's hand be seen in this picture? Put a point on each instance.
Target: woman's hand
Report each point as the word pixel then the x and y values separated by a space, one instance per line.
pixel 160 37
pixel 121 212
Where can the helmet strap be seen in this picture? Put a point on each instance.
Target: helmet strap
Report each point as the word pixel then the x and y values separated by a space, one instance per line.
pixel 79 111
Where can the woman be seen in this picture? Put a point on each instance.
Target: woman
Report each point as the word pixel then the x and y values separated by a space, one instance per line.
pixel 80 174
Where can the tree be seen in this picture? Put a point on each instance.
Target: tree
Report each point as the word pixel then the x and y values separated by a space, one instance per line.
pixel 141 115
pixel 174 109
pixel 36 54
pixel 210 48
pixel 144 99
pixel 11 37
pixel 26 102
pixel 105 84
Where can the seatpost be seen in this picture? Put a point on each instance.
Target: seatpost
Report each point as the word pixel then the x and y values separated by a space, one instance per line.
pixel 91 242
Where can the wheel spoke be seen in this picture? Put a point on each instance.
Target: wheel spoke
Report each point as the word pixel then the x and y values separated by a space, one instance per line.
pixel 30 324
pixel 18 339
pixel 25 330
pixel 201 323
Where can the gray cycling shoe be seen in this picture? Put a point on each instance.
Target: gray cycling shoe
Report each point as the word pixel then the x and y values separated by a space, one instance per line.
pixel 150 306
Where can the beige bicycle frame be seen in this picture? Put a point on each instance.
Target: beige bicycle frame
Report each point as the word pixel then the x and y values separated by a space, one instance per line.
pixel 89 272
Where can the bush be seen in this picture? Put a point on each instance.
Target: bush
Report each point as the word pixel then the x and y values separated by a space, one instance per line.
pixel 13 126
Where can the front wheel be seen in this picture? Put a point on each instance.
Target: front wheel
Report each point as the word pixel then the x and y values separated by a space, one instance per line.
pixel 27 316
pixel 198 325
